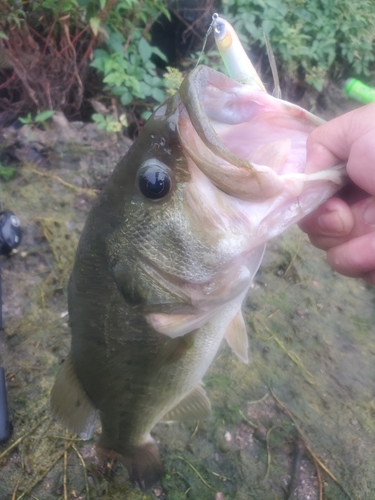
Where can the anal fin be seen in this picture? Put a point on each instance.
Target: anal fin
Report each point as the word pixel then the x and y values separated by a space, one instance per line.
pixel 237 339
pixel 194 406
pixel 69 403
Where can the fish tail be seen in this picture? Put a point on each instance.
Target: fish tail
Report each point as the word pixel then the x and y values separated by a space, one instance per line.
pixel 143 463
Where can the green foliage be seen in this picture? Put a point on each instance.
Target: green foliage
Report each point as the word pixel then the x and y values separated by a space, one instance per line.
pixel 114 32
pixel 108 123
pixel 7 173
pixel 172 80
pixel 129 72
pixel 41 117
pixel 318 38
pixel 125 58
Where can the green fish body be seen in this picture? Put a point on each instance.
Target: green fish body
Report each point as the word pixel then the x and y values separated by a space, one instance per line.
pixel 168 254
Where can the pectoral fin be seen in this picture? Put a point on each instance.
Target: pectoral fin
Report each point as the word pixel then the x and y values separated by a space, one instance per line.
pixel 69 403
pixel 194 406
pixel 237 338
pixel 177 325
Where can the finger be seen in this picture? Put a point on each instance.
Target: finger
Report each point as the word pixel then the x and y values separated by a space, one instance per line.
pixel 354 258
pixel 329 225
pixel 363 216
pixel 335 222
pixel 332 142
pixel 361 162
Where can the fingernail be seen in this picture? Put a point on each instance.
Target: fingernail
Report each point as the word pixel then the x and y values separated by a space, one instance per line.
pixel 331 224
pixel 369 213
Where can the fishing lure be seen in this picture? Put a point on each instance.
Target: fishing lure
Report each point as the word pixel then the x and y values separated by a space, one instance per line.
pixel 236 61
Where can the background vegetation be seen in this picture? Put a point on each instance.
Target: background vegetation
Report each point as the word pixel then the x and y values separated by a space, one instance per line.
pixel 55 54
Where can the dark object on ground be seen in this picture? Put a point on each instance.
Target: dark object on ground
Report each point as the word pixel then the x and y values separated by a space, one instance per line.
pixel 4 415
pixel 10 238
pixel 10 232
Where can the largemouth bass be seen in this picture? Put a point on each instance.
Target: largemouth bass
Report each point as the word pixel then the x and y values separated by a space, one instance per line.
pixel 168 254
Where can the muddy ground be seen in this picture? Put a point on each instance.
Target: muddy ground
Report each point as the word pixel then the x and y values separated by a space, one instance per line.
pixel 298 422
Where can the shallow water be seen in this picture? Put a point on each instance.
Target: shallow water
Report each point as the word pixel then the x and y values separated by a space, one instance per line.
pixel 299 418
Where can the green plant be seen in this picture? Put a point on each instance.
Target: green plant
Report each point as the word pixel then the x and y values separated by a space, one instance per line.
pixel 125 59
pixel 46 45
pixel 108 123
pixel 128 71
pixel 319 39
pixel 41 117
pixel 7 173
pixel 172 80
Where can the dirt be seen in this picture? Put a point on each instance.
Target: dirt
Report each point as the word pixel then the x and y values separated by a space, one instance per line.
pixel 299 419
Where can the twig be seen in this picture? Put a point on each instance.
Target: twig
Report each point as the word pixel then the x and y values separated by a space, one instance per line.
pixel 269 457
pixel 17 442
pixel 91 192
pixel 290 265
pixel 15 489
pixel 255 402
pixel 52 436
pixel 220 476
pixel 316 460
pixel 52 465
pixel 248 421
pixel 197 473
pixel 309 377
pixel 84 471
pixel 319 476
pixel 195 430
pixel 65 480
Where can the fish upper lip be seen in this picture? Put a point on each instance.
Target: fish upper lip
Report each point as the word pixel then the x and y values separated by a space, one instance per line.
pixel 208 97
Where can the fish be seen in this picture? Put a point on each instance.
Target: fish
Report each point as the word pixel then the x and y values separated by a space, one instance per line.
pixel 168 254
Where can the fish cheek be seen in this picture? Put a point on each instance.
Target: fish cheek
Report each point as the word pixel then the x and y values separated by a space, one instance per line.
pixel 127 282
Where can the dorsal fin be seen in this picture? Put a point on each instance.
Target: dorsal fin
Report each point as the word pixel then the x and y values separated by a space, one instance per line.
pixel 194 406
pixel 237 338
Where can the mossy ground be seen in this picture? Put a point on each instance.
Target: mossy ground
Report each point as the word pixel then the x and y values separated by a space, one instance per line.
pixel 304 405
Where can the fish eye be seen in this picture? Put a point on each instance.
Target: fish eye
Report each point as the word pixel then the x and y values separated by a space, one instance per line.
pixel 154 180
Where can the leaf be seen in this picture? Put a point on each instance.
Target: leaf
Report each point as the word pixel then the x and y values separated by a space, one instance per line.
pixel 95 24
pixel 159 53
pixel 157 94
pixel 145 50
pixel 115 78
pixel 123 120
pixel 98 118
pixel 146 115
pixel 126 98
pixel 26 120
pixel 3 35
pixel 44 115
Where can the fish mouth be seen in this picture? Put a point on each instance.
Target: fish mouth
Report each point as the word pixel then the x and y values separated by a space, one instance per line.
pixel 250 144
pixel 246 153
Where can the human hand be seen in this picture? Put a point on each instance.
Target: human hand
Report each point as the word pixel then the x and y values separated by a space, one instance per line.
pixel 344 226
